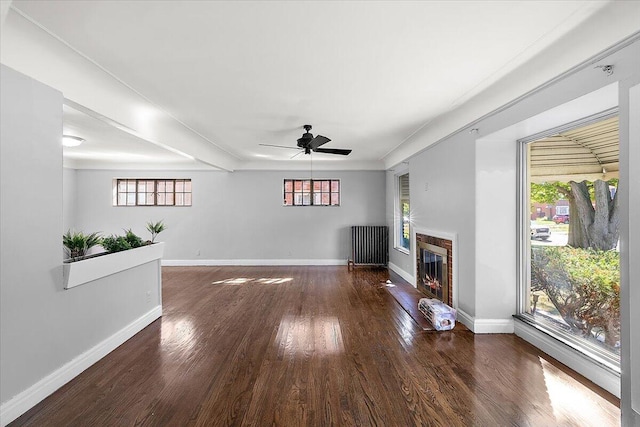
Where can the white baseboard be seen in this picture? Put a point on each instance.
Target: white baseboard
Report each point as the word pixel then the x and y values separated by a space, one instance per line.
pixel 400 272
pixel 594 371
pixel 465 319
pixel 249 262
pixel 493 326
pixel 485 326
pixel 22 402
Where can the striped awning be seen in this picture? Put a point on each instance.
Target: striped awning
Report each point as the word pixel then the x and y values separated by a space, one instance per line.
pixel 586 153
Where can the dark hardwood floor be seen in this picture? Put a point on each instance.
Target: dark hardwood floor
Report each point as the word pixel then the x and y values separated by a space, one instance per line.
pixel 314 346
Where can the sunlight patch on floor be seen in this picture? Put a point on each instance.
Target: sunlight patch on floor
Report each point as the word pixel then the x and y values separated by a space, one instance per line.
pixel 309 335
pixel 178 335
pixel 233 281
pixel 242 280
pixel 275 280
pixel 566 398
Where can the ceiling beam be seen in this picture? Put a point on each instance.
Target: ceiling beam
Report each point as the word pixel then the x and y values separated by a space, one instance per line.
pixel 30 49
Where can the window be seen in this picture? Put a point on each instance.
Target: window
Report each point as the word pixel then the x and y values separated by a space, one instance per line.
pixel 152 192
pixel 403 216
pixel 312 192
pixel 569 253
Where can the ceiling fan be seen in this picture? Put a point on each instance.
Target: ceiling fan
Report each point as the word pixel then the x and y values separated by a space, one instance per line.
pixel 307 143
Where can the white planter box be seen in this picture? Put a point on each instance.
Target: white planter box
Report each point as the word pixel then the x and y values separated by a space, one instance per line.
pixel 81 272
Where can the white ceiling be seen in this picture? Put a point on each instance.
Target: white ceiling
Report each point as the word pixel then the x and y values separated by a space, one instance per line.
pixel 368 75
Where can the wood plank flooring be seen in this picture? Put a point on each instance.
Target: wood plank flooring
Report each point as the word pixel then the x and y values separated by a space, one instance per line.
pixel 409 297
pixel 314 346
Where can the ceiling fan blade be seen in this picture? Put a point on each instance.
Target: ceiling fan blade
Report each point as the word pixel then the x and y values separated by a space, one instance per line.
pixel 318 141
pixel 296 155
pixel 332 151
pixel 279 146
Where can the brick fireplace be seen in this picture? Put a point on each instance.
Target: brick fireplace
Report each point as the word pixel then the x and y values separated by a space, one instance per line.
pixel 434 267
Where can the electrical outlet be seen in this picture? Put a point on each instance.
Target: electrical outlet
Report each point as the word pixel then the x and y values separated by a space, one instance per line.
pixel 426 186
pixel 198 252
pixel 148 296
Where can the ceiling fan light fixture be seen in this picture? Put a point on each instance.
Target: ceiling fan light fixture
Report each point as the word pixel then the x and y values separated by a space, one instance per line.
pixel 307 144
pixel 71 141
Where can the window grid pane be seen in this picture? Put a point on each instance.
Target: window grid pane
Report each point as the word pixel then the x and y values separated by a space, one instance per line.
pixel 165 189
pixel 149 192
pixel 305 192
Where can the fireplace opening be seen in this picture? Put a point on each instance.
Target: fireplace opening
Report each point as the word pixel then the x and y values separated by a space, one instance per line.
pixel 434 266
pixel 433 272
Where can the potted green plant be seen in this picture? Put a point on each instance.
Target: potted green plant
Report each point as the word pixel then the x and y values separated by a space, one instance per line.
pixel 155 229
pixel 117 256
pixel 115 243
pixel 76 243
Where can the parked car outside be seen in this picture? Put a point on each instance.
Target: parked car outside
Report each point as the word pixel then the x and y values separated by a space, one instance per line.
pixel 561 219
pixel 540 232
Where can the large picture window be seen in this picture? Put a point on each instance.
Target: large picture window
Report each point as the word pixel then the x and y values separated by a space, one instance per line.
pixel 152 192
pixel 570 275
pixel 403 216
pixel 311 192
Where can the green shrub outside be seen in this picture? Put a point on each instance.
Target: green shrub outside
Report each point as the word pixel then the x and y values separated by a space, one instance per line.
pixel 583 285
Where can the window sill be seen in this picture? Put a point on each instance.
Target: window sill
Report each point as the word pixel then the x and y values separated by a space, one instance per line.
pixel 402 250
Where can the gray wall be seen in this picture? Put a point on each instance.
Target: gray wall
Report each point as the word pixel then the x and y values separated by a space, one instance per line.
pixel 69 192
pixel 31 260
pixel 42 326
pixel 447 172
pixel 238 215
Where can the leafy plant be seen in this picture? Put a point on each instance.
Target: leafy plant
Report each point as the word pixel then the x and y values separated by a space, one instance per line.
pixel 76 243
pixel 134 240
pixel 155 229
pixel 115 243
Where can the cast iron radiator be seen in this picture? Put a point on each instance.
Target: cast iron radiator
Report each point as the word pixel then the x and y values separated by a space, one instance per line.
pixel 369 245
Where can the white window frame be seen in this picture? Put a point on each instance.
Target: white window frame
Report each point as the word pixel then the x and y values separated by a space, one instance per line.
pixel 597 355
pixel 155 203
pixel 397 215
pixel 311 193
